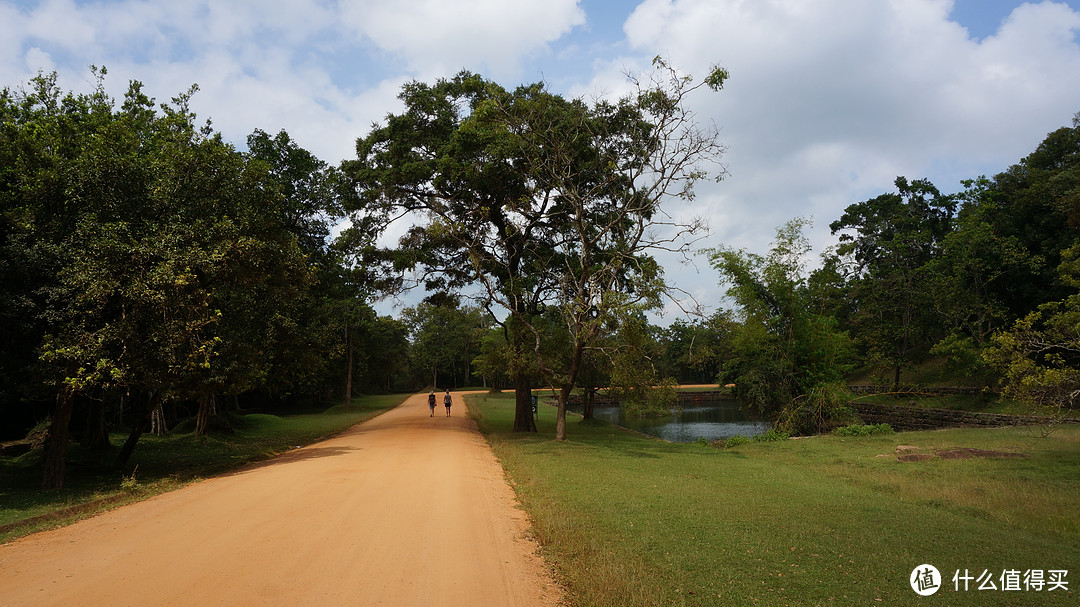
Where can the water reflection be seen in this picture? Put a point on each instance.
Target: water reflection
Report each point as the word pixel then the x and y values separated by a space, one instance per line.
pixel 715 420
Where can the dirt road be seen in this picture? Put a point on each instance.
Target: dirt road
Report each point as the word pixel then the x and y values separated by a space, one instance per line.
pixel 405 509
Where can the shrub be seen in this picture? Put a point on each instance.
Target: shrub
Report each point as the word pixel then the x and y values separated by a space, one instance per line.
pixel 825 406
pixel 735 441
pixel 771 436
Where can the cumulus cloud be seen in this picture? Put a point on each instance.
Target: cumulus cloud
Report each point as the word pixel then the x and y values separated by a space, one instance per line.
pixel 436 36
pixel 829 101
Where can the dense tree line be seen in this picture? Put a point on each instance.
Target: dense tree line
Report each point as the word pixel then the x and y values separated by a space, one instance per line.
pixel 984 279
pixel 152 272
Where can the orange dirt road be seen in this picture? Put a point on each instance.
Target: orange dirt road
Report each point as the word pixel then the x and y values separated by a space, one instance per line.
pixel 404 509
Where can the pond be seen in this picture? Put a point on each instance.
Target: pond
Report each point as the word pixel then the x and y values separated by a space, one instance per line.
pixel 711 420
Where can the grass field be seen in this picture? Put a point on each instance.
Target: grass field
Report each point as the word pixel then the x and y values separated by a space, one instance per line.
pixel 162 463
pixel 629 520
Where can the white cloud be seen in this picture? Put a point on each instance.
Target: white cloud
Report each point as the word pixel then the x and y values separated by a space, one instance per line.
pixel 59 22
pixel 437 37
pixel 829 101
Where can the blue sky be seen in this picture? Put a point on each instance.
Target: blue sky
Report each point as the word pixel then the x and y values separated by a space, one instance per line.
pixel 828 101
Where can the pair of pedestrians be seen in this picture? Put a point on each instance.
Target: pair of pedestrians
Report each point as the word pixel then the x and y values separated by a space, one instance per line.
pixel 446 401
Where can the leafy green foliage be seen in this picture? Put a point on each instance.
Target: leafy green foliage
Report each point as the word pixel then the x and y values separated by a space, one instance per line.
pixel 541 202
pixel 695 352
pixel 785 348
pixel 823 407
pixel 735 441
pixel 895 235
pixel 1039 357
pixel 445 338
pixel 168 266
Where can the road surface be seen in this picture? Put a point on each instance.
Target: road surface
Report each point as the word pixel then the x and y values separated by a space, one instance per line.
pixel 404 509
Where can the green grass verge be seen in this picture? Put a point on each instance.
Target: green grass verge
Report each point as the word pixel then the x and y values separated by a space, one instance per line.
pixel 628 520
pixel 162 463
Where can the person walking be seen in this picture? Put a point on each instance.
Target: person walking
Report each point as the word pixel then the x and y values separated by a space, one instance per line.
pixel 447 401
pixel 431 402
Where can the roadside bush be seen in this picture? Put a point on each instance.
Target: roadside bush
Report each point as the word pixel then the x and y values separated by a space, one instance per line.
pixel 771 436
pixel 735 441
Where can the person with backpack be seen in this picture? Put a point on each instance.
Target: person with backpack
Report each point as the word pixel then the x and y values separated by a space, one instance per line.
pixel 431 402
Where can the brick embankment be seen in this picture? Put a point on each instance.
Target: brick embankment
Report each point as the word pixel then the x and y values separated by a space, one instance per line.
pixel 905 417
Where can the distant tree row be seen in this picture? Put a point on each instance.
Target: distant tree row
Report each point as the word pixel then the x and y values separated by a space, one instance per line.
pixel 149 271
pixel 152 272
pixel 985 279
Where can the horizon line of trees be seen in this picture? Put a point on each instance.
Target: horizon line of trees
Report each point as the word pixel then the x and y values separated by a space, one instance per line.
pixel 985 279
pixel 152 272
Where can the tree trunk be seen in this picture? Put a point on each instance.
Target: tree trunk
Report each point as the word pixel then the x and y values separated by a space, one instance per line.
pixel 138 426
pixel 523 417
pixel 560 416
pixel 564 394
pixel 95 435
pixel 588 403
pixel 348 367
pixel 157 420
pixel 207 409
pixel 56 442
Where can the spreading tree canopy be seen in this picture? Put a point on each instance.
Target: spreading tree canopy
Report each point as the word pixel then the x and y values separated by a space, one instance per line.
pixel 539 200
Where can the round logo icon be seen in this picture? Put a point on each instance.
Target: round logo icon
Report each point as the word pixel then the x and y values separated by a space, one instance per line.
pixel 925 580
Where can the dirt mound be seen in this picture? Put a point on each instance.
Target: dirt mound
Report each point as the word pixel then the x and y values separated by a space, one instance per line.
pixel 913 457
pixel 968 453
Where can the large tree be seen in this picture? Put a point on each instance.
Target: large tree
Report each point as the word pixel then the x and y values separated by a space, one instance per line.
pixel 540 200
pixel 1035 205
pixel 891 238
pixel 611 169
pixel 476 206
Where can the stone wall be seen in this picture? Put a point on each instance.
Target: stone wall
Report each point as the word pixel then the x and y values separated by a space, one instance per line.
pixel 917 391
pixel 905 417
